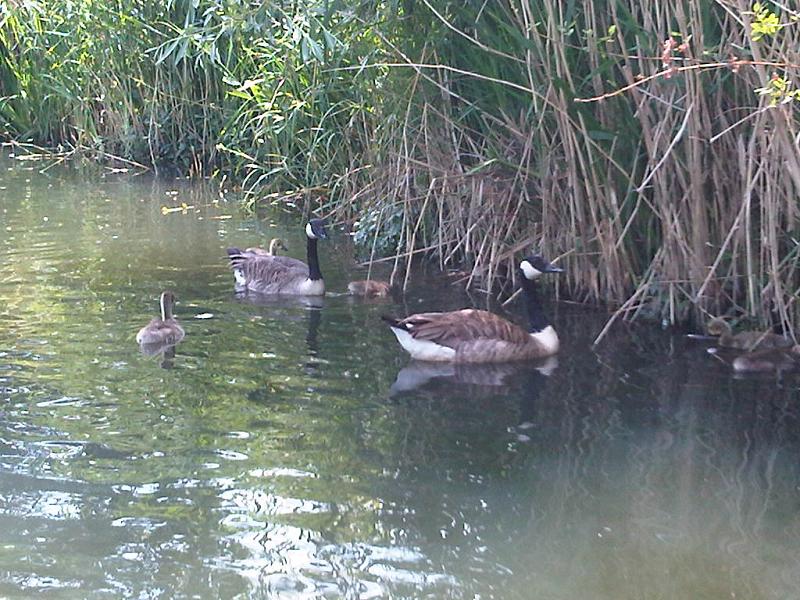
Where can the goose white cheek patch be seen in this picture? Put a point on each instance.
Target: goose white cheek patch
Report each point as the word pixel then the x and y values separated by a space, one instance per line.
pixel 310 231
pixel 529 270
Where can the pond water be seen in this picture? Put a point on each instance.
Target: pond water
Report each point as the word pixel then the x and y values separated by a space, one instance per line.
pixel 291 450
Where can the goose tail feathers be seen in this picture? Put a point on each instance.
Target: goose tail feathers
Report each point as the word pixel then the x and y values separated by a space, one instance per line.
pixel 236 256
pixel 393 322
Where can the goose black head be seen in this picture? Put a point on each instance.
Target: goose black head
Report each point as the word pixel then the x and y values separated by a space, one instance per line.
pixel 534 265
pixel 315 229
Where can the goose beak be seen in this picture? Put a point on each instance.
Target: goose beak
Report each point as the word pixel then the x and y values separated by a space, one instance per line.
pixel 553 269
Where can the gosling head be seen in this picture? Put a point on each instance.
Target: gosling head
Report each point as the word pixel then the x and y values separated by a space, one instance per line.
pixel 534 265
pixel 718 326
pixel 277 244
pixel 315 229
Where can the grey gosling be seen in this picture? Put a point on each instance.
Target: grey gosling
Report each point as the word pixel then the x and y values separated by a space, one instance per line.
pixel 162 330
pixel 275 244
pixel 745 340
pixel 369 288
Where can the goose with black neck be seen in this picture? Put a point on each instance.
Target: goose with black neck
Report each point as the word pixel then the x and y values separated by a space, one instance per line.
pixel 266 274
pixel 478 336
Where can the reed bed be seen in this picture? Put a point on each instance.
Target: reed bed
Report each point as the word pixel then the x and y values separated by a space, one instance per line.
pixel 652 147
pixel 671 193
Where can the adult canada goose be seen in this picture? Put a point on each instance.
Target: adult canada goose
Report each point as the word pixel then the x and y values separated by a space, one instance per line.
pixel 768 361
pixel 281 274
pixel 745 340
pixel 371 288
pixel 478 336
pixel 164 330
pixel 275 244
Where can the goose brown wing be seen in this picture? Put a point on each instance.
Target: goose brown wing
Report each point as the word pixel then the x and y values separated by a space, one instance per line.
pixel 453 328
pixel 269 269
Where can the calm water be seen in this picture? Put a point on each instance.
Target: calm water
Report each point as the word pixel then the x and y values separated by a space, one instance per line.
pixel 289 450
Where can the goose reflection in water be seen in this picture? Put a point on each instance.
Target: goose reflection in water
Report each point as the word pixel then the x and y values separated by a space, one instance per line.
pixel 313 312
pixel 279 300
pixel 311 362
pixel 491 378
pixel 500 401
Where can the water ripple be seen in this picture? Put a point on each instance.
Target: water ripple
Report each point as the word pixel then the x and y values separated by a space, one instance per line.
pixel 273 456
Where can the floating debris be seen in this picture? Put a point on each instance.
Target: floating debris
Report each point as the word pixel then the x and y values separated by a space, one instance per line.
pixel 183 208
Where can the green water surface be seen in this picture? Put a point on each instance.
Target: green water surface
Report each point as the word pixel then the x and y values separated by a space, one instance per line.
pixel 290 449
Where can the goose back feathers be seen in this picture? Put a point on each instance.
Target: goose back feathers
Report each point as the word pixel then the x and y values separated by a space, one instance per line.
pixel 470 335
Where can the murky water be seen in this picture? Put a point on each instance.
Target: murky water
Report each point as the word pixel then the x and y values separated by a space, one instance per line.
pixel 291 450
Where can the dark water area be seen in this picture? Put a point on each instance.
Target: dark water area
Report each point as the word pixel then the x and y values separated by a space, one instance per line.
pixel 290 449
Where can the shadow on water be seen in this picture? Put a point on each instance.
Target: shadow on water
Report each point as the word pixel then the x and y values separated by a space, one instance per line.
pixel 290 449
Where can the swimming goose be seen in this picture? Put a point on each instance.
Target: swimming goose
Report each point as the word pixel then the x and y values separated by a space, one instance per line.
pixel 275 244
pixel 745 340
pixel 369 288
pixel 281 274
pixel 478 336
pixel 164 330
pixel 768 361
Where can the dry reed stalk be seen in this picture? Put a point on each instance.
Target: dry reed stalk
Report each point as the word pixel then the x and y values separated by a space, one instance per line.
pixel 675 195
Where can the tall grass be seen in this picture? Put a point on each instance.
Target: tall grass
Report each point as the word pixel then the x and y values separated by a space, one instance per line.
pixel 453 129
pixel 200 86
pixel 675 199
pixel 105 78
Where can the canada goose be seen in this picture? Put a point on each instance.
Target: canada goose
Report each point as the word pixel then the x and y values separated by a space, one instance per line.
pixel 768 361
pixel 164 330
pixel 275 244
pixel 745 340
pixel 369 288
pixel 281 274
pixel 478 336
